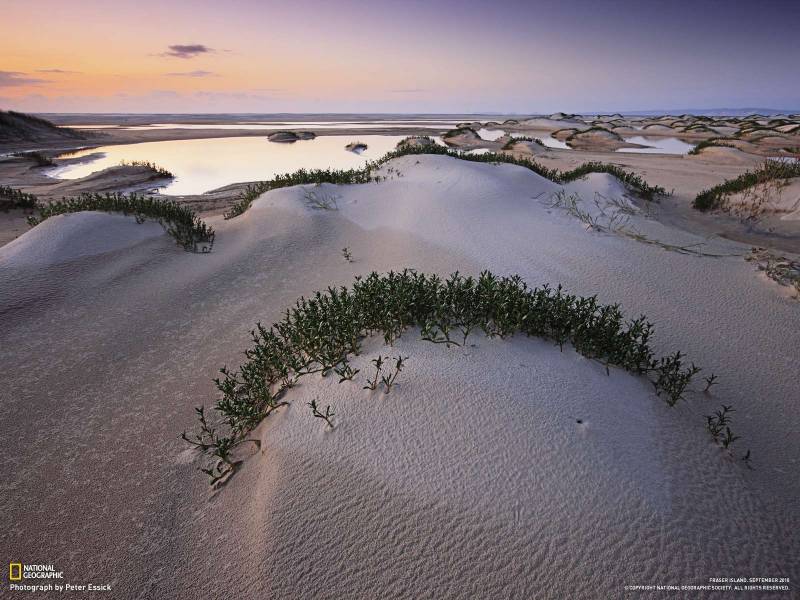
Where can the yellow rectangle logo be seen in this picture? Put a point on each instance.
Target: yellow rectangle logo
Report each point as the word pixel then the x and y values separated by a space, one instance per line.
pixel 15 571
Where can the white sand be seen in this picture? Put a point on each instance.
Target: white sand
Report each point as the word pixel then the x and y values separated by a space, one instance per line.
pixel 472 479
pixel 64 238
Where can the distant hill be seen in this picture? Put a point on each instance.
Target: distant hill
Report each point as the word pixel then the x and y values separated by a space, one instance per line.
pixel 19 127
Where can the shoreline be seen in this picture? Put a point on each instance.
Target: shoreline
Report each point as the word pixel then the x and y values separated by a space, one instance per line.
pixel 685 175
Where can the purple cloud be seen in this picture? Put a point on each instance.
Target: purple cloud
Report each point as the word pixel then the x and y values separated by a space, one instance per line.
pixel 15 78
pixel 187 50
pixel 198 73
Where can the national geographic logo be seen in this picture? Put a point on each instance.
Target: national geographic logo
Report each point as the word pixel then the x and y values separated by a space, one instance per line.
pixel 18 572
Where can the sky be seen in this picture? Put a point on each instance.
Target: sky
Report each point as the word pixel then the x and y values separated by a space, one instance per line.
pixel 448 56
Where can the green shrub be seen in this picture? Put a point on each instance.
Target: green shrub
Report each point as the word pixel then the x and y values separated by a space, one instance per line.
pixel 14 198
pixel 180 222
pixel 319 333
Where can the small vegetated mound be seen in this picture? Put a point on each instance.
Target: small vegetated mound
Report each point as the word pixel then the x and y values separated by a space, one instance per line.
pixel 319 333
pixel 19 127
pixel 411 148
pixel 290 136
pixel 146 164
pixel 416 140
pixel 189 231
pixel 461 135
pixel 595 137
pixel 774 172
pixel 357 147
pixel 14 198
pixel 713 142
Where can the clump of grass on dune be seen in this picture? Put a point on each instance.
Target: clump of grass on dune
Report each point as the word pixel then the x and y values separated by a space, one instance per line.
pixel 180 222
pixel 769 171
pixel 149 165
pixel 14 198
pixel 299 177
pixel 712 143
pixel 319 333
pixel 522 138
pixel 629 179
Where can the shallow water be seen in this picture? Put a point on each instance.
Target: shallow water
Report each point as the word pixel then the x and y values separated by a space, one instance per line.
pixel 206 164
pixel 669 145
pixel 280 125
pixel 491 134
pixel 552 142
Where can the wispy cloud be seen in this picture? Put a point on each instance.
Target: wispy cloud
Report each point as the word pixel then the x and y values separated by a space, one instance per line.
pixel 198 73
pixel 187 50
pixel 57 71
pixel 15 78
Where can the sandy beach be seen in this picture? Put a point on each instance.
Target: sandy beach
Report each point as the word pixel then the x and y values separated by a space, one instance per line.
pixel 505 468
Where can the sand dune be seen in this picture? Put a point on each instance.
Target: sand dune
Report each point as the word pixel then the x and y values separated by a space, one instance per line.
pixel 475 461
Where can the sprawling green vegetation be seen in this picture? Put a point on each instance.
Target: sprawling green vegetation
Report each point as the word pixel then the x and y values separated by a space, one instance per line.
pixel 319 334
pixel 14 198
pixel 364 174
pixel 180 222
pixel 770 170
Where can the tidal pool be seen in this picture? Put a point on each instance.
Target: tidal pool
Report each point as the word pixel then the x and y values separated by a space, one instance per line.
pixel 207 164
pixel 667 145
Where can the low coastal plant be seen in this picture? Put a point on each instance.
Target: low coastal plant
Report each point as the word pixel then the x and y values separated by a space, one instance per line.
pixel 14 198
pixel 321 200
pixel 345 371
pixel 347 255
pixel 218 447
pixel 711 380
pixel 769 171
pixel 189 231
pixel 390 376
pixel 718 426
pixel 319 333
pixel 372 384
pixel 161 171
pixel 326 416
